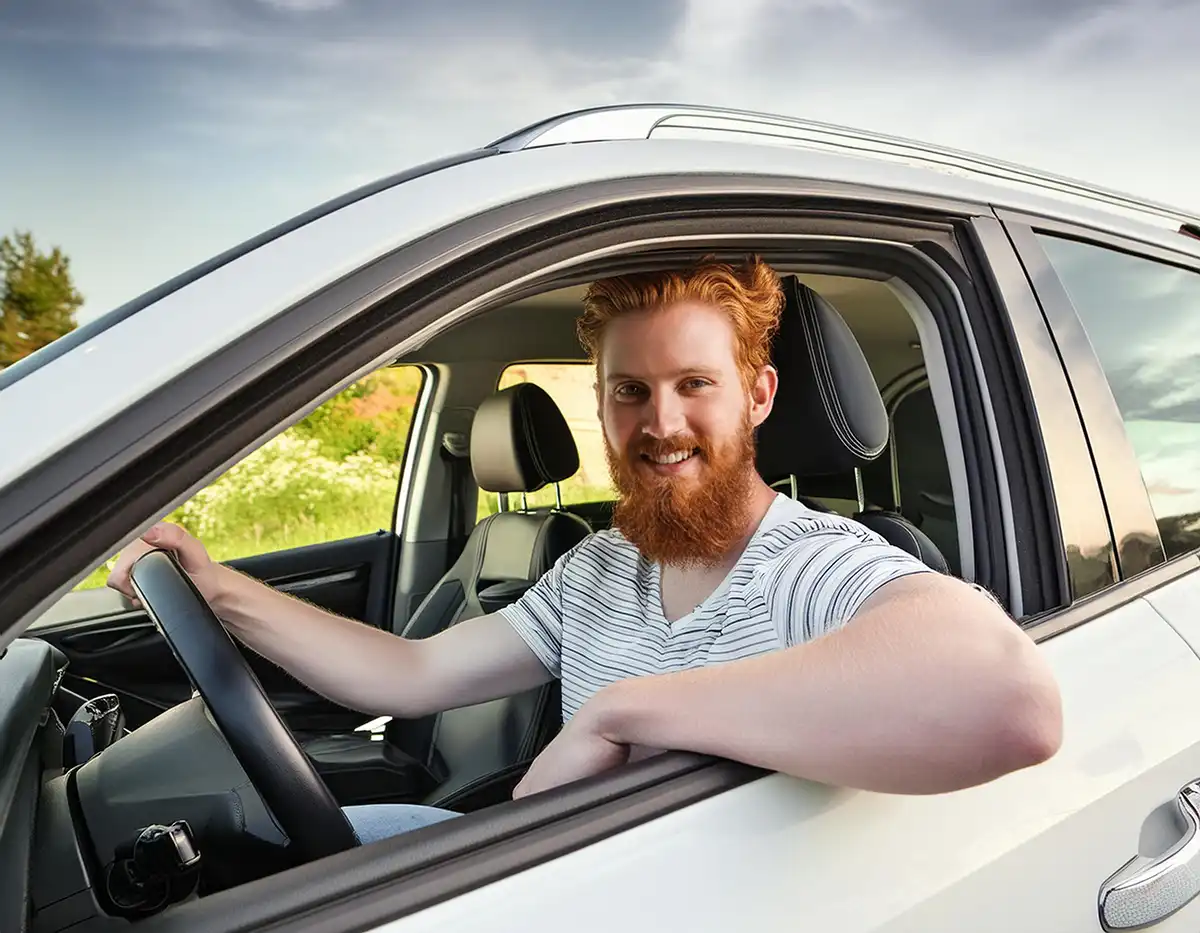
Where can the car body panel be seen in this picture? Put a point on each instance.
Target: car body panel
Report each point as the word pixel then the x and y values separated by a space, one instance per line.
pixel 1028 851
pixel 697 122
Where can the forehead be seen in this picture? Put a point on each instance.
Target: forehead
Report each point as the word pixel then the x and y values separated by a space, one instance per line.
pixel 688 335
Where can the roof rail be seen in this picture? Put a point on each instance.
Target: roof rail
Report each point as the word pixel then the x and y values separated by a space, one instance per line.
pixel 640 121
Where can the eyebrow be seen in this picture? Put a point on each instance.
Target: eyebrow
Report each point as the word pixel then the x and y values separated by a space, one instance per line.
pixel 674 374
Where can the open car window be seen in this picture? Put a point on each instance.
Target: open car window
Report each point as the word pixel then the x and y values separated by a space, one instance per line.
pixel 332 476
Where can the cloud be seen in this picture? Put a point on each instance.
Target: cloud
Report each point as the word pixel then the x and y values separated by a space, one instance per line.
pixel 238 114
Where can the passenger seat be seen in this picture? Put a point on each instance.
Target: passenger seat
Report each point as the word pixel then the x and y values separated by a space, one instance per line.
pixel 829 418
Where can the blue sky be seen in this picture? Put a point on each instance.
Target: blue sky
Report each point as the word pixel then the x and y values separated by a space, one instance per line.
pixel 143 136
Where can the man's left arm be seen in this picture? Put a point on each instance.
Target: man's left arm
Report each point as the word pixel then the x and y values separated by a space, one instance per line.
pixel 930 687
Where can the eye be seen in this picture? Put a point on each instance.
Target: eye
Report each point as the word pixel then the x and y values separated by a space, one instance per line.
pixel 628 391
pixel 696 383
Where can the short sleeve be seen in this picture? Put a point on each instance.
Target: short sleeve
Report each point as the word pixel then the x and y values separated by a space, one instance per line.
pixel 537 615
pixel 817 583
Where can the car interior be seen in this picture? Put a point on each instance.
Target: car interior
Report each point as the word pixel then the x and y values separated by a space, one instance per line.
pixel 855 430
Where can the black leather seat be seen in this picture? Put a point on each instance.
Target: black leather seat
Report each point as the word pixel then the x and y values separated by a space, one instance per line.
pixel 829 418
pixel 520 443
pixel 471 757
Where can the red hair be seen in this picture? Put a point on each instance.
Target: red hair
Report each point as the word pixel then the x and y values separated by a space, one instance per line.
pixel 752 297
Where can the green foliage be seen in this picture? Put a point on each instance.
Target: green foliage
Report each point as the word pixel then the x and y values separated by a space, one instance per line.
pixel 37 298
pixel 370 417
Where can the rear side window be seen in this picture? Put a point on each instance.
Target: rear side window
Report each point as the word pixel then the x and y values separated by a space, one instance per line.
pixel 1143 320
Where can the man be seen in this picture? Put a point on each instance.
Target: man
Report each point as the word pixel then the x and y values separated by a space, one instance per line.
pixel 718 616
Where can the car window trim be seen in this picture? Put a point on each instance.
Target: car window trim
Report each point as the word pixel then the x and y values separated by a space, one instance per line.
pixel 369 886
pixel 1047 626
pixel 1064 456
pixel 1174 248
pixel 1131 510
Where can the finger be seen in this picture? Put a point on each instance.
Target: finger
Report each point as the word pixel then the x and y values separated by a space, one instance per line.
pixel 164 535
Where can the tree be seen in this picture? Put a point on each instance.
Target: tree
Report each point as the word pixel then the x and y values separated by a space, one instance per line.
pixel 38 301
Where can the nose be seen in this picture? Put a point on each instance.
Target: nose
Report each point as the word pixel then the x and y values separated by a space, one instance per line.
pixel 663 415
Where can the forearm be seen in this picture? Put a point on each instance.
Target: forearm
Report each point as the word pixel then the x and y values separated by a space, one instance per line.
pixel 955 700
pixel 352 664
pixel 376 672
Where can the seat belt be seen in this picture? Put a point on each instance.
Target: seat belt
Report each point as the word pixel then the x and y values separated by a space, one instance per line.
pixel 456 452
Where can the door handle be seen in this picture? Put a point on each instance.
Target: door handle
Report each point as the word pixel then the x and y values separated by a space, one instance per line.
pixel 1145 890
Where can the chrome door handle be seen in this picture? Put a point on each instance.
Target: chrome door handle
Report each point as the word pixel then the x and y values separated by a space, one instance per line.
pixel 1145 890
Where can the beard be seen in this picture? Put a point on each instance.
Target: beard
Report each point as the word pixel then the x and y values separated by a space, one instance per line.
pixel 685 521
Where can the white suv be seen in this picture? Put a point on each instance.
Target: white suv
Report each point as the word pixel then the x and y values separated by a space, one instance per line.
pixel 1036 343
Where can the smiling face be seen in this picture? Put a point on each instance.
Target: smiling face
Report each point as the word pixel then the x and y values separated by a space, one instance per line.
pixel 679 412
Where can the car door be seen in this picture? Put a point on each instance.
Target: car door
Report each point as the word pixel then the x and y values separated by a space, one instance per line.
pixel 327 487
pixel 1100 837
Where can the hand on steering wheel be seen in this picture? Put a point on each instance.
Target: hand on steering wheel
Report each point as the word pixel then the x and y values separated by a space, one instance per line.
pixel 268 752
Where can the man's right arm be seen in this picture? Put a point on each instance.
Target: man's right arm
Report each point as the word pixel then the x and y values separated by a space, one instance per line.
pixel 352 664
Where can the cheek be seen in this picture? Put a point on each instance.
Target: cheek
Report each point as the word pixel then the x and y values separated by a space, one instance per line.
pixel 619 424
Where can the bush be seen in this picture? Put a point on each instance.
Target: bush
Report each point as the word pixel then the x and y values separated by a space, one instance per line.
pixel 288 494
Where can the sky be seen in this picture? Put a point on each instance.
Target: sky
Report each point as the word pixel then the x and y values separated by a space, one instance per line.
pixel 144 136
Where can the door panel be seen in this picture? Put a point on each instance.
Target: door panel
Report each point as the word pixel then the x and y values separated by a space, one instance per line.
pixel 1027 852
pixel 124 653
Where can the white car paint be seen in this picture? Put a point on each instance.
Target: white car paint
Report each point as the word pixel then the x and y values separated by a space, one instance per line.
pixel 1027 852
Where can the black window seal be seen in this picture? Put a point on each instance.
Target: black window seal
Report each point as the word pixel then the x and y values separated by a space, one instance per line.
pixel 1084 554
pixel 1035 529
pixel 52 351
pixel 1134 526
pixel 1103 602
pixel 1043 570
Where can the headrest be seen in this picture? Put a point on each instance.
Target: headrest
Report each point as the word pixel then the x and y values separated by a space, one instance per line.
pixel 828 415
pixel 520 441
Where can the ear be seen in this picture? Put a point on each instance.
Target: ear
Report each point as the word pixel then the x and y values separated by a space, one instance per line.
pixel 762 394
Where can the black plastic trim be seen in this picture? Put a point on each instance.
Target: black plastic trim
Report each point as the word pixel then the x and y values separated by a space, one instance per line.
pixel 53 351
pixel 1038 536
pixel 372 885
pixel 85 500
pixel 1131 516
pixel 1045 627
pixel 1086 557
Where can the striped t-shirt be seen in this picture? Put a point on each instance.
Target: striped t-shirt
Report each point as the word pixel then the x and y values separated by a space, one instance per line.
pixel 596 616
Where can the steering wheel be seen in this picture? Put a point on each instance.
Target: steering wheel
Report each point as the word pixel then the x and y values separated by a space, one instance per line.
pixel 263 744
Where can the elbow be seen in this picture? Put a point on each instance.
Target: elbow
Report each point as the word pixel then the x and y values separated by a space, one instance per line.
pixel 1029 722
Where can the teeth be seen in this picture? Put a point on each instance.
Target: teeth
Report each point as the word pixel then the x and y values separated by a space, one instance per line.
pixel 677 457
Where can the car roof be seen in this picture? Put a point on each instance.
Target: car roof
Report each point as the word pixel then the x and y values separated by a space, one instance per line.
pixel 687 121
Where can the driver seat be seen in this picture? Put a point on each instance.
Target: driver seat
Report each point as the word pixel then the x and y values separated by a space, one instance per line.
pixel 473 756
pixel 520 443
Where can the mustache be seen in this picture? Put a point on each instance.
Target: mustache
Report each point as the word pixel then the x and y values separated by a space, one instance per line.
pixel 665 446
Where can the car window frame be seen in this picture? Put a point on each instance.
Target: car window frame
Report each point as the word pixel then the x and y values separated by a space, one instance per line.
pixel 557 820
pixel 1131 511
